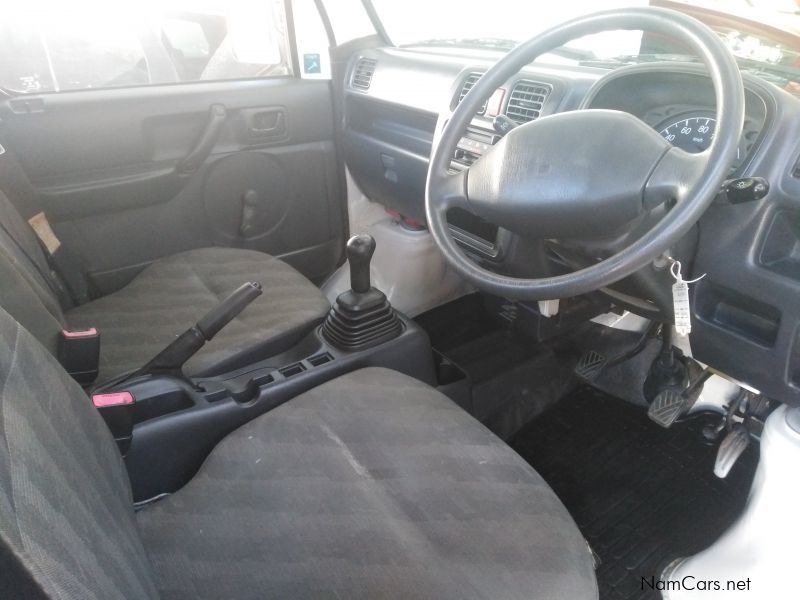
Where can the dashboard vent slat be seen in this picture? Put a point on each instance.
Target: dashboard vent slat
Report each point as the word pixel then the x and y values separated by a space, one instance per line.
pixel 469 83
pixel 526 101
pixel 362 74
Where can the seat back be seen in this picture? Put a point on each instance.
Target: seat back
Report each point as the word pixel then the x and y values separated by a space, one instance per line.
pixel 32 292
pixel 67 527
pixel 26 292
pixel 18 205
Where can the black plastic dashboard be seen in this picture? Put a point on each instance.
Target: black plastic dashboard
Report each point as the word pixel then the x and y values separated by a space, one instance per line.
pixel 746 309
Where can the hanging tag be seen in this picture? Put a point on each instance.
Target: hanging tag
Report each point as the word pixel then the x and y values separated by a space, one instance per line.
pixel 681 306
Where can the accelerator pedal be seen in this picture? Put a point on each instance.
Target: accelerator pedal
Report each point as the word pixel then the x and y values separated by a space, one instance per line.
pixel 731 448
pixel 590 365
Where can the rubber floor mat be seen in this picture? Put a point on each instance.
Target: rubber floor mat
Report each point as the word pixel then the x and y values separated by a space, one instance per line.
pixel 641 495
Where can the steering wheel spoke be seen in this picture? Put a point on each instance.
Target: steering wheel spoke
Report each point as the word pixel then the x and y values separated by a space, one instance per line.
pixel 673 177
pixel 450 190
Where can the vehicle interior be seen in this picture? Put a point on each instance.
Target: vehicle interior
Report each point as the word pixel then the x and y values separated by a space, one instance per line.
pixel 294 305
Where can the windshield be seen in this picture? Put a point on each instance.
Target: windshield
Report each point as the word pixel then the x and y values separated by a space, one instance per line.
pixel 763 34
pixel 510 20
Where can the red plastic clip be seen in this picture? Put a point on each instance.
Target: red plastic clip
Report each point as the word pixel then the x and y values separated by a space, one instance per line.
pixel 113 399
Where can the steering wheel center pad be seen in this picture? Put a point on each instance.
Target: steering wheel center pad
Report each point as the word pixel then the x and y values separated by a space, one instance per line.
pixel 544 178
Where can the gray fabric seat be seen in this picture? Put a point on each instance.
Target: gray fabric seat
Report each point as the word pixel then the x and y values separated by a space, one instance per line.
pixel 165 299
pixel 372 485
pixel 173 293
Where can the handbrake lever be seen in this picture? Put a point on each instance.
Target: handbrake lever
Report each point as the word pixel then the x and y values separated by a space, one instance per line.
pixel 171 359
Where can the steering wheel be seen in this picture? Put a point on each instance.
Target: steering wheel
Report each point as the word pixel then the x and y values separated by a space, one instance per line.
pixel 587 172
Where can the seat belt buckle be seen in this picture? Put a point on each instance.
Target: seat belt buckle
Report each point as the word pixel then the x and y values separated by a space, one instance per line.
pixel 79 354
pixel 117 408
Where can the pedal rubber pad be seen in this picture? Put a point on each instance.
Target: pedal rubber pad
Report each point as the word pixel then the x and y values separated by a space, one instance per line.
pixel 667 407
pixel 731 448
pixel 590 365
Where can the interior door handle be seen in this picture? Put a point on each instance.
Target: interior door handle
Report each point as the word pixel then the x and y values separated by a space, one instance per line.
pixel 269 123
pixel 205 144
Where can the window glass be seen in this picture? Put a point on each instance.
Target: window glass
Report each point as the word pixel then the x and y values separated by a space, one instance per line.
pixel 55 46
pixel 349 20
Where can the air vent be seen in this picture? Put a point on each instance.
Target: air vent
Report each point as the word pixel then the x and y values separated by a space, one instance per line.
pixel 469 83
pixel 362 74
pixel 526 101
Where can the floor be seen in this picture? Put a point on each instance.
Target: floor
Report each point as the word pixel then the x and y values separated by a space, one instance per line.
pixel 510 380
pixel 641 495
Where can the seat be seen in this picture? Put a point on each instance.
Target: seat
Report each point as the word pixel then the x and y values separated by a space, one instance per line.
pixel 173 293
pixel 373 485
pixel 165 299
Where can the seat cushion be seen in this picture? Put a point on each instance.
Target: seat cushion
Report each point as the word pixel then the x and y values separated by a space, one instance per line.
pixel 373 485
pixel 170 295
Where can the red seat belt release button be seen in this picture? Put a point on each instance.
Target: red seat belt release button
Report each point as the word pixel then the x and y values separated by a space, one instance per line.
pixel 117 408
pixel 85 333
pixel 112 399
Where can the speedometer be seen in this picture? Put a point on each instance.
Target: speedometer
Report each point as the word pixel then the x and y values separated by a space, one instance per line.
pixel 693 134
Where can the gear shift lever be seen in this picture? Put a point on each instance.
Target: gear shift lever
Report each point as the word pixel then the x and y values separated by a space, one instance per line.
pixel 360 249
pixel 361 317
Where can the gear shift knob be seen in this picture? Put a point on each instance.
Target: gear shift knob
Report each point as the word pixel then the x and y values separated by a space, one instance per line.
pixel 360 249
pixel 361 317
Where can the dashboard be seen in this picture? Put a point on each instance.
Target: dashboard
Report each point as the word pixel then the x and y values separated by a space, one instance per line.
pixel 746 309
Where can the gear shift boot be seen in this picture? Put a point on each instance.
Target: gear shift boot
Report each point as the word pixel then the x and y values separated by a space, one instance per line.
pixel 361 317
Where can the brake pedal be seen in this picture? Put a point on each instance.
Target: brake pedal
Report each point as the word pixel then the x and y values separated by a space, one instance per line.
pixel 667 407
pixel 672 403
pixel 590 365
pixel 731 448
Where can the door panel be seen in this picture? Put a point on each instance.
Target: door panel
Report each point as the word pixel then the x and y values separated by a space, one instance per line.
pixel 111 172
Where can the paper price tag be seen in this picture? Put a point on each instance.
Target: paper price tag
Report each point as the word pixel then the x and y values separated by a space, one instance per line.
pixel 681 306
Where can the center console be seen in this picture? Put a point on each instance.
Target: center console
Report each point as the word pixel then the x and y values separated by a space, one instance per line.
pixel 167 425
